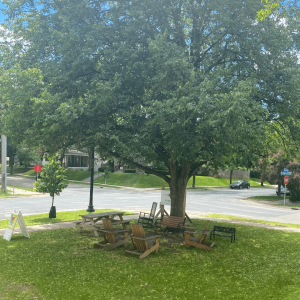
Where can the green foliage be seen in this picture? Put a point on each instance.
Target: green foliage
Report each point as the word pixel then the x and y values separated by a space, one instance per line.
pixel 52 179
pixel 255 174
pixel 294 181
pixel 269 8
pixel 25 156
pixel 255 267
pixel 177 83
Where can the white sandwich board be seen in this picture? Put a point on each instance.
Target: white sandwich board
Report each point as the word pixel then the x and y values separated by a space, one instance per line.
pixel 16 217
pixel 165 197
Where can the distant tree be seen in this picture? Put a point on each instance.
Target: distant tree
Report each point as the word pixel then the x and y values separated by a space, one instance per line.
pixel 280 162
pixel 107 171
pixel 294 181
pixel 25 155
pixel 52 179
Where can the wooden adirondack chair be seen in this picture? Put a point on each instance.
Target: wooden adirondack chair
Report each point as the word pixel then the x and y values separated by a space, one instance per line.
pixel 142 243
pixel 146 219
pixel 200 242
pixel 113 237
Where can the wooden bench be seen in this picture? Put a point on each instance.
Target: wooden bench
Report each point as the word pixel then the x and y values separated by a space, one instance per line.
pixel 171 222
pixel 223 231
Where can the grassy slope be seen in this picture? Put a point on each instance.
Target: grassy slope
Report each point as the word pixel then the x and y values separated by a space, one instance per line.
pixel 261 264
pixel 70 175
pixel 148 181
pixel 132 180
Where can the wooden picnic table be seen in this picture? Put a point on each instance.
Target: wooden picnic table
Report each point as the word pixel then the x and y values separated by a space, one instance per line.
pixel 89 221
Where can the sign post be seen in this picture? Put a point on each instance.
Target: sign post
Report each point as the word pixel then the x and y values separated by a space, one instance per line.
pixel 37 169
pixel 286 181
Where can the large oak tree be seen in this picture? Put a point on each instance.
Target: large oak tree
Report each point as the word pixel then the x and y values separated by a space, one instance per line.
pixel 173 83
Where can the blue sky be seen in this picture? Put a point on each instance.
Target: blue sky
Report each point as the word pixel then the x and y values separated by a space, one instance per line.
pixel 2 17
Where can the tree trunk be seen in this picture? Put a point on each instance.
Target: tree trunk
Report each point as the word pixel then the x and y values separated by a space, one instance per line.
pixel 194 181
pixel 262 176
pixel 11 165
pixel 52 200
pixel 279 190
pixel 231 171
pixel 178 181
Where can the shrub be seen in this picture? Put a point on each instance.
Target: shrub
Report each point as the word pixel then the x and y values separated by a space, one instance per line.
pixel 130 170
pixel 102 170
pixel 254 174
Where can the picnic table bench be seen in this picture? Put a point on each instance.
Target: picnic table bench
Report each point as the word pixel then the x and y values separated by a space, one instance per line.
pixel 89 221
pixel 169 222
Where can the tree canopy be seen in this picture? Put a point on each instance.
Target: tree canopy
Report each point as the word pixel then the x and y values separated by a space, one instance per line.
pixel 174 83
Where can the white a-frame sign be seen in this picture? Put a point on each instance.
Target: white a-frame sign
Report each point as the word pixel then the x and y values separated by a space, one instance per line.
pixel 15 217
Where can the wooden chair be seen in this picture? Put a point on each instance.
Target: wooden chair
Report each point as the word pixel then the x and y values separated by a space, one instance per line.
pixel 171 223
pixel 113 237
pixel 146 219
pixel 142 243
pixel 200 242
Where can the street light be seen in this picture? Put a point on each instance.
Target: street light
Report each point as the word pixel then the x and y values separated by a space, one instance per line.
pixel 91 207
pixel 3 172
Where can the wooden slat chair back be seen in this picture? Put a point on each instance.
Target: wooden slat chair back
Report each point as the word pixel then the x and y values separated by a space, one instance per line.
pixel 142 243
pixel 113 237
pixel 191 240
pixel 146 219
pixel 171 222
pixel 153 209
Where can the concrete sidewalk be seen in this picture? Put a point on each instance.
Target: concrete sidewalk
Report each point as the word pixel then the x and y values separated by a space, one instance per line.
pixel 71 224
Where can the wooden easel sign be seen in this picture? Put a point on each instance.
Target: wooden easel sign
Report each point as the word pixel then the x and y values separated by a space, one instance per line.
pixel 15 217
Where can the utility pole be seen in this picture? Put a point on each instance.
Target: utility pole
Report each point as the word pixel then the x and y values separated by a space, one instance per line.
pixel 3 172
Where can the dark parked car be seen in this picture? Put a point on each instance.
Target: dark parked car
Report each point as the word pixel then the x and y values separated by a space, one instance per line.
pixel 240 184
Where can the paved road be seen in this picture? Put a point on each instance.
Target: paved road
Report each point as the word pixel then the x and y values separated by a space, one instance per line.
pixel 218 201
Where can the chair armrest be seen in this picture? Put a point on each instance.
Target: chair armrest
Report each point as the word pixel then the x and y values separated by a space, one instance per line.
pixel 114 231
pixel 198 232
pixel 180 223
pixel 145 238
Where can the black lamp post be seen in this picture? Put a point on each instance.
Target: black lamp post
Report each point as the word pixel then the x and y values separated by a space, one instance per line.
pixel 91 207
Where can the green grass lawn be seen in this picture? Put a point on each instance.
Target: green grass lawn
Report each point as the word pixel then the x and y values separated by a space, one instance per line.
pixel 63 264
pixel 10 194
pixel 30 173
pixel 17 169
pixel 77 175
pixel 132 180
pixel 229 217
pixel 268 198
pixel 70 174
pixel 63 216
pixel 151 181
